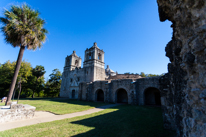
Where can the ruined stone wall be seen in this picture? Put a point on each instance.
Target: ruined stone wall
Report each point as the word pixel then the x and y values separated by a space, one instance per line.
pixel 134 88
pixel 185 84
pixel 125 84
pixel 88 90
pixel 99 85
pixel 142 84
pixel 16 112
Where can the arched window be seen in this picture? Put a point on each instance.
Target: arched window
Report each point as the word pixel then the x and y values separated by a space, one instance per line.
pixel 89 55
pixel 99 56
pixel 76 62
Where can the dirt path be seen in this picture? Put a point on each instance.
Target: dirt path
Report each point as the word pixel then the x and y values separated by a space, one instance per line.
pixel 41 117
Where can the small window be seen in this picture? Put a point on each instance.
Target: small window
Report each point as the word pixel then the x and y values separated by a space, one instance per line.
pixel 90 55
pixel 78 78
pixel 87 72
pixel 71 80
pixel 99 56
pixel 76 62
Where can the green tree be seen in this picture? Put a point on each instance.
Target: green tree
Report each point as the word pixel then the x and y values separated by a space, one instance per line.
pixel 53 85
pixel 142 74
pixel 38 79
pixel 7 71
pixel 22 28
pixel 154 75
pixel 127 73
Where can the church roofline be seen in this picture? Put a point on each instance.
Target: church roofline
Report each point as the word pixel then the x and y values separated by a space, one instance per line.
pixel 73 54
pixel 94 46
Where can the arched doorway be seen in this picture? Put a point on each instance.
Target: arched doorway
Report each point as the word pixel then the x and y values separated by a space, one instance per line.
pixel 121 95
pixel 73 94
pixel 152 96
pixel 100 95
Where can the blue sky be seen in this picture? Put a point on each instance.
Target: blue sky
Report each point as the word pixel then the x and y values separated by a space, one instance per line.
pixel 129 32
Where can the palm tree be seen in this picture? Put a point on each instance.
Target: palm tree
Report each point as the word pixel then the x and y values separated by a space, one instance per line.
pixel 22 27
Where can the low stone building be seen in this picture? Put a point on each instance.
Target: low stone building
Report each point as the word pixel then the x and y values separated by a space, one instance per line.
pixel 95 83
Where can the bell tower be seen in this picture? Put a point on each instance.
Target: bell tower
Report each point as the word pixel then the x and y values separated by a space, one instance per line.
pixel 94 64
pixel 72 62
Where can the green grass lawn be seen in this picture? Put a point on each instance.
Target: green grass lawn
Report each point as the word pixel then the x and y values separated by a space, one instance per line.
pixel 60 105
pixel 120 121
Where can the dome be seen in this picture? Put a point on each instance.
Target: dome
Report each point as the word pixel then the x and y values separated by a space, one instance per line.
pixel 109 71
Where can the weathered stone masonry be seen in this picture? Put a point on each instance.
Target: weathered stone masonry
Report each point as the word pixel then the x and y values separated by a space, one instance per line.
pixel 184 87
pixel 16 112
pixel 135 90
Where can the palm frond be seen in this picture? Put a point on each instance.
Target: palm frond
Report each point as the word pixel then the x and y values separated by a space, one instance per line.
pixel 23 22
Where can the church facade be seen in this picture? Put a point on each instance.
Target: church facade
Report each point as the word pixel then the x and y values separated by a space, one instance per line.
pixel 93 70
pixel 93 82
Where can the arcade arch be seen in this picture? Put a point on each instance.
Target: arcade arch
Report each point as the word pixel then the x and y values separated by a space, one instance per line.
pixel 121 96
pixel 99 95
pixel 152 96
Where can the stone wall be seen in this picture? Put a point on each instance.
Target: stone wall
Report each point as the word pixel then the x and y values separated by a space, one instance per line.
pixel 185 84
pixel 99 73
pixel 134 88
pixel 125 84
pixel 144 83
pixel 99 85
pixel 67 85
pixel 16 112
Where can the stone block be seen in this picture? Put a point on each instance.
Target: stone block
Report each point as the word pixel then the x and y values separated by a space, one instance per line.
pixel 16 112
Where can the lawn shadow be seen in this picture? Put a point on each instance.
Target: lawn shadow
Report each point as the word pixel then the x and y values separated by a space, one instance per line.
pixel 126 121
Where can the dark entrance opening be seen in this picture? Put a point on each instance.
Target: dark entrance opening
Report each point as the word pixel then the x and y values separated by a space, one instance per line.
pixel 73 93
pixel 100 95
pixel 122 96
pixel 152 96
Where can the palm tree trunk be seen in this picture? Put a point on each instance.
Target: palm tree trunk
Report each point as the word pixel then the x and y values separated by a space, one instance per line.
pixel 19 92
pixel 13 82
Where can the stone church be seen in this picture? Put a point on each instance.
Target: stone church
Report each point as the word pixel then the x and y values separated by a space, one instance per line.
pixel 95 83
pixel 181 92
